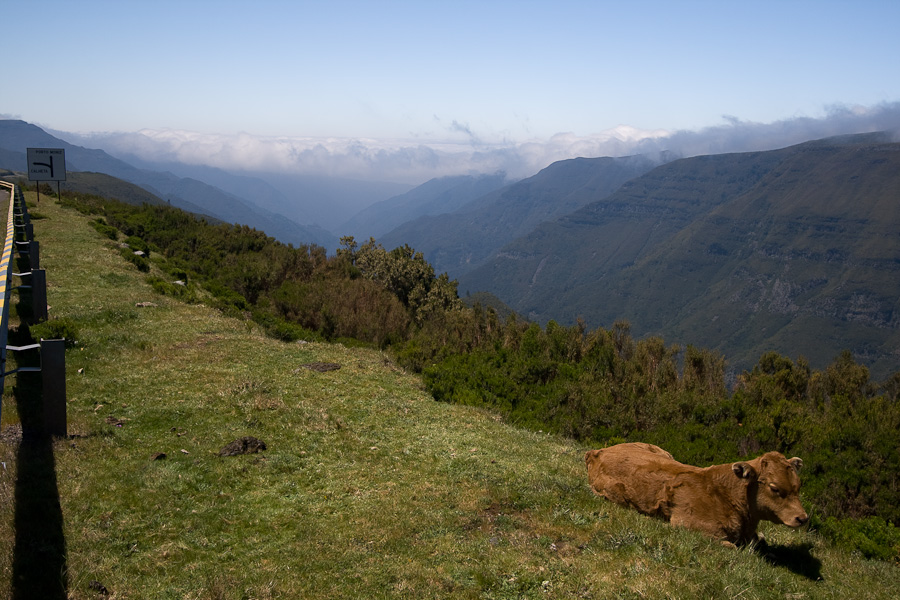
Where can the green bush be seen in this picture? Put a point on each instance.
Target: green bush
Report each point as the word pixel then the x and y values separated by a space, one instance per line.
pixel 226 295
pixel 873 537
pixel 55 329
pixel 166 288
pixel 178 273
pixel 104 228
pixel 290 332
pixel 142 264
pixel 137 244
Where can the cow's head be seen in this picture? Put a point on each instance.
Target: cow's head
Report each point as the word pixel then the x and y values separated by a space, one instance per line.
pixel 776 495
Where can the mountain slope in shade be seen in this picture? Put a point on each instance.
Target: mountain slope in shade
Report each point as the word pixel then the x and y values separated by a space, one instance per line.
pixel 436 196
pixel 190 194
pixel 318 202
pixel 794 250
pixel 457 242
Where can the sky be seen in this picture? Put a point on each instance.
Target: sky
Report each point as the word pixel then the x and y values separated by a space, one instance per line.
pixel 407 89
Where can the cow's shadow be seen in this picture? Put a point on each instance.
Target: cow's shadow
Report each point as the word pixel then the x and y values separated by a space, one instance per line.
pixel 795 558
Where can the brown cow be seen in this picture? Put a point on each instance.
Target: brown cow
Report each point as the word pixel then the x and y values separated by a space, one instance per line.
pixel 723 501
pixel 631 475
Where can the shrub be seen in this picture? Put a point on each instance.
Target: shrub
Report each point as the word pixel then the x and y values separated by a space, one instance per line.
pixel 290 332
pixel 142 264
pixel 55 329
pixel 873 537
pixel 137 244
pixel 104 228
pixel 166 288
pixel 225 295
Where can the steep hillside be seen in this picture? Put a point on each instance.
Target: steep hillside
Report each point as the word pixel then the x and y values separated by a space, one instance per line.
pixel 319 202
pixel 793 250
pixel 460 241
pixel 367 488
pixel 434 197
pixel 232 209
pixel 101 184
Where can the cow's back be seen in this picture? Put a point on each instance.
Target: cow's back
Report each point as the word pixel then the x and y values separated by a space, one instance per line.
pixel 632 474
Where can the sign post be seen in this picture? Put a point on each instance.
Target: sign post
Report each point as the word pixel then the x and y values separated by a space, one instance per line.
pixel 46 164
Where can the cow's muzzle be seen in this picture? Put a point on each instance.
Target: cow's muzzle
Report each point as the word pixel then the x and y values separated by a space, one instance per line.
pixel 799 520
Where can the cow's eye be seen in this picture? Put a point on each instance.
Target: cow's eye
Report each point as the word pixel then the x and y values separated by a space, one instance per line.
pixel 774 489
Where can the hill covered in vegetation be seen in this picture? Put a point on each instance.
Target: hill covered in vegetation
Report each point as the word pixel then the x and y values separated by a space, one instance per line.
pixel 367 487
pixel 792 250
pixel 462 239
pixel 596 386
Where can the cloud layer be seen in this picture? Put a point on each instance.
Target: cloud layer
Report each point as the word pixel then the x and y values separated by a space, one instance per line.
pixel 415 161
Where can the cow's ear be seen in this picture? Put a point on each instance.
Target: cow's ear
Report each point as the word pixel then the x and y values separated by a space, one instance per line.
pixel 744 470
pixel 797 463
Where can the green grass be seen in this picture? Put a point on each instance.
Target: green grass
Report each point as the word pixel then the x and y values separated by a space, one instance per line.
pixel 368 488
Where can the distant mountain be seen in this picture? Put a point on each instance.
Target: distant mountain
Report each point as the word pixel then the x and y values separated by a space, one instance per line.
pixel 457 242
pixel 191 194
pixel 328 201
pixel 107 186
pixel 13 161
pixel 794 250
pixel 246 187
pixel 434 197
pixel 320 202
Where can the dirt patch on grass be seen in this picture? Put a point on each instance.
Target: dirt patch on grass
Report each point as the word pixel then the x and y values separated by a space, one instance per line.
pixel 245 445
pixel 319 367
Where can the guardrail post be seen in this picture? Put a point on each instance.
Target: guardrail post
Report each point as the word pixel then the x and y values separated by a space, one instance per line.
pixel 38 295
pixel 53 379
pixel 28 230
pixel 34 254
pixel 32 250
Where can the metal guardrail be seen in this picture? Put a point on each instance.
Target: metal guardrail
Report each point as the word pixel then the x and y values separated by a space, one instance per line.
pixel 53 366
pixel 5 282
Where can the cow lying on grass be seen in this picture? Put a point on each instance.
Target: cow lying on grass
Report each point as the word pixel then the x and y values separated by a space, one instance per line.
pixel 726 502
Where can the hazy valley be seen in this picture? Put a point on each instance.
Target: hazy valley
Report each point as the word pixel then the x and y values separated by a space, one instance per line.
pixel 794 250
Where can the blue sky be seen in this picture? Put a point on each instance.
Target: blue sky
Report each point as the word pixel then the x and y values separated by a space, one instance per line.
pixel 485 73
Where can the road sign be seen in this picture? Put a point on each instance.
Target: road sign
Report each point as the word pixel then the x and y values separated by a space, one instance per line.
pixel 46 164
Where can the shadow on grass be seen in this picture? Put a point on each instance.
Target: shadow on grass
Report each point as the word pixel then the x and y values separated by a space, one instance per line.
pixel 39 555
pixel 795 558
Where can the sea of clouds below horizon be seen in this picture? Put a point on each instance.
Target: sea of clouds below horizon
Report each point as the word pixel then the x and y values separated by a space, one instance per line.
pixel 414 162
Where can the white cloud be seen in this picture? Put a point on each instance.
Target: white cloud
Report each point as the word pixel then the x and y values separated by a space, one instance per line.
pixel 361 158
pixel 415 161
pixel 745 136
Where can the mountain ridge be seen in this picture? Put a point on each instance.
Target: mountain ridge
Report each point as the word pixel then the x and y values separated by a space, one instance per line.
pixel 188 193
pixel 792 250
pixel 460 241
pixel 434 197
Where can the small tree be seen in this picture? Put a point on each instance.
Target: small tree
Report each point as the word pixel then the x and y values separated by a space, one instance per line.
pixel 406 274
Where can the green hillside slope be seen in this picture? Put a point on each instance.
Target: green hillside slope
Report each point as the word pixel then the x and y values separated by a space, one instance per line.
pixel 367 488
pixel 794 250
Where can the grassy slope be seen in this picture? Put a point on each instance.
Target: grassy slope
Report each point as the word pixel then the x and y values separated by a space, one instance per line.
pixel 368 487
